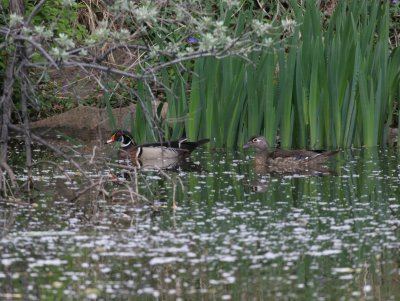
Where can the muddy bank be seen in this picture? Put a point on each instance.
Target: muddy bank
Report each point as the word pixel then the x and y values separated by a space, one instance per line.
pixel 84 125
pixel 88 126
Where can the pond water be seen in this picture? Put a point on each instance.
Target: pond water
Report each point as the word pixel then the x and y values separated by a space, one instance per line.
pixel 232 235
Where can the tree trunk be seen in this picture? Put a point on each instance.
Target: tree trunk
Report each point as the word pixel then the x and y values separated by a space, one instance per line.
pixel 25 120
pixel 17 7
pixel 6 105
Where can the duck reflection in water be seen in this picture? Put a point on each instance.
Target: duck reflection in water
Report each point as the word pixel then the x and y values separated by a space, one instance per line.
pixel 170 164
pixel 301 163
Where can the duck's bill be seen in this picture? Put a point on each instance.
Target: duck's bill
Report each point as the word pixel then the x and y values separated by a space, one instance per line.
pixel 246 146
pixel 111 140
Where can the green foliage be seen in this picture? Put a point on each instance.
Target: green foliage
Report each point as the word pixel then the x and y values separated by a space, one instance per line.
pixel 332 83
pixel 332 88
pixel 55 18
pixel 55 15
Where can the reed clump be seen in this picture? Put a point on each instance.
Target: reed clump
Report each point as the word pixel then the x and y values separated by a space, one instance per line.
pixel 329 85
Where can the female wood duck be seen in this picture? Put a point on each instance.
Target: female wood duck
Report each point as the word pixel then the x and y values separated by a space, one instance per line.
pixel 293 159
pixel 165 150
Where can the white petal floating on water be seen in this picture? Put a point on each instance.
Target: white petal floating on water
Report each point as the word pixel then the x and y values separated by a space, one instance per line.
pixel 47 262
pixel 162 260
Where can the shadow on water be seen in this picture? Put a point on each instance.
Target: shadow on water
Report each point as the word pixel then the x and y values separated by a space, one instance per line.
pixel 331 235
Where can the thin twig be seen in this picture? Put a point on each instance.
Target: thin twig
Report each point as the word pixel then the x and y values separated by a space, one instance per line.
pixel 105 54
pixel 173 195
pixel 93 154
pixel 10 173
pixel 40 48
pixel 25 119
pixel 6 104
pixel 83 191
pixel 55 164
pixel 13 201
pixel 130 191
pixel 34 12
pixel 179 60
pixel 103 68
pixel 54 149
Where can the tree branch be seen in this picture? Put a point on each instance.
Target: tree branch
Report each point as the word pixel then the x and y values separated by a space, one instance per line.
pixel 104 55
pixel 10 172
pixel 53 148
pixel 103 68
pixel 34 12
pixel 40 48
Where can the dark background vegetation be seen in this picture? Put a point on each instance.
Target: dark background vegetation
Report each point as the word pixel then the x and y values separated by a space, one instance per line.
pixel 315 74
pixel 82 21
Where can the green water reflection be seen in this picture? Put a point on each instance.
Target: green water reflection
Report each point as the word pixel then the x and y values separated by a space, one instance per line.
pixel 234 235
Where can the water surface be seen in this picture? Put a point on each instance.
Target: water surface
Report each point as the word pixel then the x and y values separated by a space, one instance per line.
pixel 233 234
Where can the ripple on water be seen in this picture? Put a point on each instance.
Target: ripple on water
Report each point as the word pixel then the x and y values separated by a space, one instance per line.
pixel 298 237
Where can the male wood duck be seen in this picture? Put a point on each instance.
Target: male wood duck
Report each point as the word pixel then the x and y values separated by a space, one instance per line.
pixel 285 159
pixel 150 151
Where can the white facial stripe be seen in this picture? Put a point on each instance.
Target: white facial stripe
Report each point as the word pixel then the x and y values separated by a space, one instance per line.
pixel 181 141
pixel 125 144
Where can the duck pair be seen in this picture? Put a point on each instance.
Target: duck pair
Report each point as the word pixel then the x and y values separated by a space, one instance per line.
pixel 182 148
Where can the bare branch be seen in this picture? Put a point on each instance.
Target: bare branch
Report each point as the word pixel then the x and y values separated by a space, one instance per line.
pixel 103 68
pixel 25 122
pixel 83 191
pixel 53 148
pixel 132 193
pixel 40 48
pixel 6 105
pixel 10 173
pixel 55 164
pixel 105 55
pixel 179 60
pixel 34 12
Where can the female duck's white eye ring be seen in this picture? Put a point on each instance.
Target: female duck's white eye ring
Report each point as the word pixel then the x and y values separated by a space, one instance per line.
pixel 255 140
